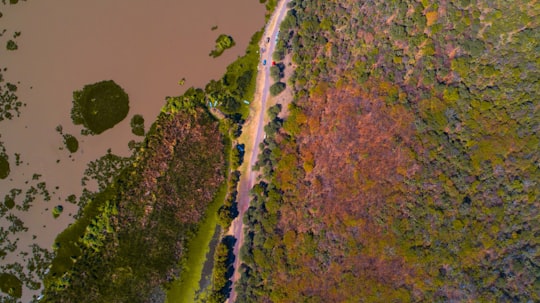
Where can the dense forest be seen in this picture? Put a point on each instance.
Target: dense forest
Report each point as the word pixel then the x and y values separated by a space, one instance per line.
pixel 407 167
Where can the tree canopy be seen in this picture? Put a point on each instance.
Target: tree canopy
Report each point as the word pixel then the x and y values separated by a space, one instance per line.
pixel 99 106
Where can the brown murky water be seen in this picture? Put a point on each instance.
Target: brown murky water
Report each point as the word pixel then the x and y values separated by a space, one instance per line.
pixel 145 46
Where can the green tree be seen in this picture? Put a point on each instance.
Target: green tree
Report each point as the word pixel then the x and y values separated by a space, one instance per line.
pixel 277 88
pixel 99 106
pixel 11 45
pixel 137 125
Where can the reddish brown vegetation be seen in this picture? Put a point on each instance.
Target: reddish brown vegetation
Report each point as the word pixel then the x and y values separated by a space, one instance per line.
pixel 339 215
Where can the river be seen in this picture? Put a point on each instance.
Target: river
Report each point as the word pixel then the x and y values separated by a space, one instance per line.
pixel 144 46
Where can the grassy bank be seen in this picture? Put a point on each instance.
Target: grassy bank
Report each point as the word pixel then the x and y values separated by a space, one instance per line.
pixel 184 289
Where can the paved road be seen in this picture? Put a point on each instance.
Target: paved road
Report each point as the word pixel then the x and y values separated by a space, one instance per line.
pixel 261 95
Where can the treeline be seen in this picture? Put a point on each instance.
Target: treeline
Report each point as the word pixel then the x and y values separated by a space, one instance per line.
pixel 406 170
pixel 262 243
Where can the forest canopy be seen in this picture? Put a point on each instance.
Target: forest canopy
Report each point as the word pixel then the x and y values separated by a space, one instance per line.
pixel 407 167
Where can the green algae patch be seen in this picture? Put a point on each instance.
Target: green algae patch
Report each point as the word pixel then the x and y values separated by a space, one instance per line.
pixel 99 106
pixel 10 285
pixel 4 167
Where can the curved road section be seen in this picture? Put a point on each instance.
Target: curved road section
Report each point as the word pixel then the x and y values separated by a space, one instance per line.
pixel 255 133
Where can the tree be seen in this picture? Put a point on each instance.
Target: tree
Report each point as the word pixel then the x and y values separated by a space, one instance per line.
pixel 11 45
pixel 277 88
pixel 99 106
pixel 137 125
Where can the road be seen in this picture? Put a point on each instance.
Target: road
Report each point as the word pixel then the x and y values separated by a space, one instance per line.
pixel 254 132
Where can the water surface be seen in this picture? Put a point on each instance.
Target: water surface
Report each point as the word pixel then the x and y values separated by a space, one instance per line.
pixel 144 46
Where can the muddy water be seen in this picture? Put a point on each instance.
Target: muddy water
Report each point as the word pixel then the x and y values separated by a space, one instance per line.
pixel 145 46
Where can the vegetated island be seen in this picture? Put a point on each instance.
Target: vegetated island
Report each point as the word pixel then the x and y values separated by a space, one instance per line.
pixel 99 106
pixel 223 42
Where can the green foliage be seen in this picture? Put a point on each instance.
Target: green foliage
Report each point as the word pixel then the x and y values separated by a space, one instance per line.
pixel 277 88
pixel 276 72
pixel 4 167
pixel 71 143
pixel 150 208
pixel 10 105
pixel 99 106
pixel 223 42
pixel 104 169
pixel 237 85
pixel 188 102
pixel 57 210
pixel 223 270
pixel 465 226
pixel 9 202
pixel 11 45
pixel 10 285
pixel 137 125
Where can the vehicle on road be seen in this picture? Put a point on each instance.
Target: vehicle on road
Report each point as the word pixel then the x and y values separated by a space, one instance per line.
pixel 264 62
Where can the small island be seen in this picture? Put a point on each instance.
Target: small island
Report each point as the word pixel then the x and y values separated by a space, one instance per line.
pixel 99 106
pixel 223 42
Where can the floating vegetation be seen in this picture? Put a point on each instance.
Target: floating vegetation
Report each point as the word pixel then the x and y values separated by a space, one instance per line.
pixel 99 106
pixel 11 45
pixel 223 42
pixel 10 285
pixel 4 166
pixel 9 202
pixel 103 170
pixel 39 263
pixel 71 143
pixel 71 199
pixel 42 186
pixel 137 125
pixel 17 225
pixel 18 160
pixel 9 199
pixel 57 210
pixel 9 102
